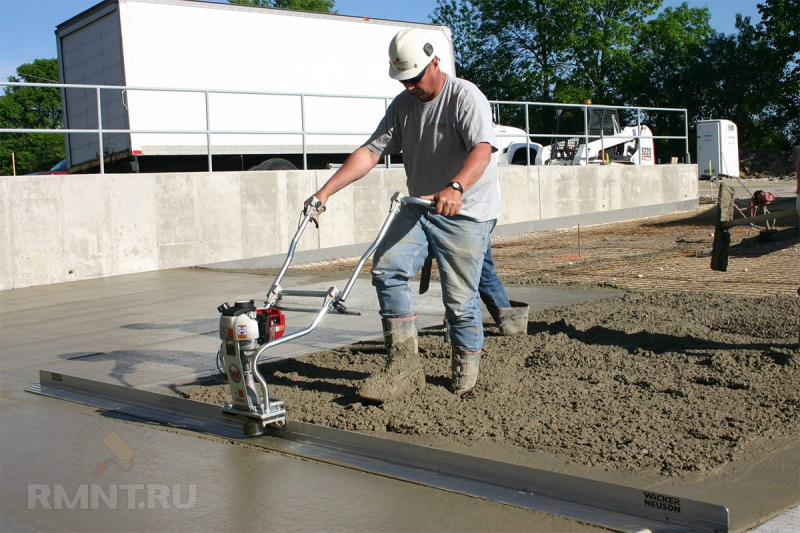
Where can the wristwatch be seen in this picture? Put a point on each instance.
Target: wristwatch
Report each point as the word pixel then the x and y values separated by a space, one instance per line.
pixel 457 186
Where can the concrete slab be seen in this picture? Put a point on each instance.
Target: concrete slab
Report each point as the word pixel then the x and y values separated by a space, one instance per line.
pixel 788 521
pixel 153 329
pixel 52 455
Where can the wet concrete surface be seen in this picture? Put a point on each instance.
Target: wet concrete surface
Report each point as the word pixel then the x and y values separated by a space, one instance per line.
pixel 66 467
pixel 156 330
pixel 184 483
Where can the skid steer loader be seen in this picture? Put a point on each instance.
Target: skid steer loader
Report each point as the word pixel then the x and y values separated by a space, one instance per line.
pixel 608 142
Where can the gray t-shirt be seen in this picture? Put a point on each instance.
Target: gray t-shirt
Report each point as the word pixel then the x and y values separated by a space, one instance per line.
pixel 436 137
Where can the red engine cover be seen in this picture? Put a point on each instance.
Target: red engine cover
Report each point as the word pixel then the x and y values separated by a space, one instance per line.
pixel 763 197
pixel 272 323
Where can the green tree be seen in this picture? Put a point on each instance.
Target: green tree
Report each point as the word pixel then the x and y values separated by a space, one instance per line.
pixel 779 36
pixel 630 52
pixel 530 37
pixel 31 108
pixel 513 50
pixel 542 50
pixel 322 6
pixel 546 50
pixel 752 78
pixel 602 36
pixel 667 58
pixel 668 70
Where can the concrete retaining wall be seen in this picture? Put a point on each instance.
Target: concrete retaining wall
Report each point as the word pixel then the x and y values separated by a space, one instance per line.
pixel 67 228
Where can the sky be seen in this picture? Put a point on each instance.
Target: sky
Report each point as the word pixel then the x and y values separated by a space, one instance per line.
pixel 27 26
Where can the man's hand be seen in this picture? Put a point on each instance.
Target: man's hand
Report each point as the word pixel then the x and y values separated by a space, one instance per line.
pixel 447 201
pixel 314 205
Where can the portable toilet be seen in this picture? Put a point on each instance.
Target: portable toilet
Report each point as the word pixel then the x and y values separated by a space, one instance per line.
pixel 717 148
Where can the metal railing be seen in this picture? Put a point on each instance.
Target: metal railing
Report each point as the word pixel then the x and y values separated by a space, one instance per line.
pixel 207 131
pixel 304 133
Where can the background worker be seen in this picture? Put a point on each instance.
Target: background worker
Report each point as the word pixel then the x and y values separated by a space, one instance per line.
pixel 443 127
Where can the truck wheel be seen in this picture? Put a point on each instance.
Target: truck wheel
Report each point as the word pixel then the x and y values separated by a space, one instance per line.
pixel 276 163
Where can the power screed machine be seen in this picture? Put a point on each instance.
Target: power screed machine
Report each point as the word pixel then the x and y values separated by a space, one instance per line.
pixel 247 331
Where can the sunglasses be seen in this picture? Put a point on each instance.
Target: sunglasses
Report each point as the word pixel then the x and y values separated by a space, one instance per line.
pixel 416 79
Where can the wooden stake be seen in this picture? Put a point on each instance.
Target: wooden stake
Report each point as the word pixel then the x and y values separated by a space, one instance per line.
pixel 722 235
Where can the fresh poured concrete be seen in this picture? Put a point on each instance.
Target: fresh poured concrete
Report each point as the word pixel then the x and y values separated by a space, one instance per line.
pixel 154 329
pixel 67 467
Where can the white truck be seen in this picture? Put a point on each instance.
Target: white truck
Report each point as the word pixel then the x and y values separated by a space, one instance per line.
pixel 261 78
pixel 609 142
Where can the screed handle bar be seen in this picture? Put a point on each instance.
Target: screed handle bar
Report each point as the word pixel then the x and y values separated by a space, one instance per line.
pixel 311 208
pixel 314 207
pixel 333 299
pixel 430 204
pixel 397 200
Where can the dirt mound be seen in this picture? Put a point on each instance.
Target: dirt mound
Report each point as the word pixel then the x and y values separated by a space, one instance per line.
pixel 766 163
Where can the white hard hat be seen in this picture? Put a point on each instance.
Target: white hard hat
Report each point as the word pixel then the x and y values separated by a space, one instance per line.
pixel 409 53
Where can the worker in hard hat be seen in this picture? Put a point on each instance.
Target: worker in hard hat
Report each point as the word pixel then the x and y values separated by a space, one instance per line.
pixel 443 127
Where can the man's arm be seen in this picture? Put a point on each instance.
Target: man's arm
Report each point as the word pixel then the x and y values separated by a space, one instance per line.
pixel 448 200
pixel 361 161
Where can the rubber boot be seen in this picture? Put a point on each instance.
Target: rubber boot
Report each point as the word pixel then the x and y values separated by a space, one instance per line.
pixel 465 366
pixel 403 373
pixel 511 320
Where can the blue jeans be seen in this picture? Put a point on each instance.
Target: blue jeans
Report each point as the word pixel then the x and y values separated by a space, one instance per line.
pixel 491 289
pixel 459 245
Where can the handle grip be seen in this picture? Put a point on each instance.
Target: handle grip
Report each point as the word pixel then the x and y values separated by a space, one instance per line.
pixel 312 206
pixel 417 201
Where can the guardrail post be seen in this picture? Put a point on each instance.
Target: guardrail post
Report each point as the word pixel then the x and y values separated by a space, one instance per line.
pixel 528 132
pixel 303 128
pixel 586 133
pixel 639 133
pixel 686 135
pixel 208 133
pixel 100 148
